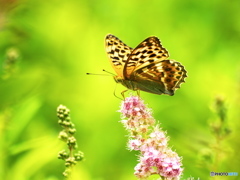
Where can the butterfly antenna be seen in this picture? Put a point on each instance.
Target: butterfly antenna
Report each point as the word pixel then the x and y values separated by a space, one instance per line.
pixel 98 74
pixel 109 72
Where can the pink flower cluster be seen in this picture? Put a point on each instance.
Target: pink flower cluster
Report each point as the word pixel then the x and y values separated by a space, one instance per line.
pixel 155 155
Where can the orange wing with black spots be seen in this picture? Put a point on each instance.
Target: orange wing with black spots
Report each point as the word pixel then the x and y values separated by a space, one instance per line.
pixel 118 53
pixel 146 67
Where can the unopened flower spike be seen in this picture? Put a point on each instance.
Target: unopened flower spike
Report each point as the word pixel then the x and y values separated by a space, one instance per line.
pixel 147 137
pixel 72 155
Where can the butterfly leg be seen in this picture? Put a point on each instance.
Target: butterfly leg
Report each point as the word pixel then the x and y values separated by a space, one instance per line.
pixel 122 93
pixel 114 93
pixel 117 96
pixel 138 93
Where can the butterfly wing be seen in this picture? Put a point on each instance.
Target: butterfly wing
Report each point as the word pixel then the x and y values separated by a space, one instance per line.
pixel 146 67
pixel 118 53
pixel 147 52
pixel 161 77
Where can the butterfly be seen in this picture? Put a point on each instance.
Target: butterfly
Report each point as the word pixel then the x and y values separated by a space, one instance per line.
pixel 146 67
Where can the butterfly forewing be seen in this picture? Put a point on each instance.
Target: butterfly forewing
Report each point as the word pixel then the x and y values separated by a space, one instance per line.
pixel 147 52
pixel 118 53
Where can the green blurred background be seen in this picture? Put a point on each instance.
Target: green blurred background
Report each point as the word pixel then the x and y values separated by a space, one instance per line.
pixel 46 48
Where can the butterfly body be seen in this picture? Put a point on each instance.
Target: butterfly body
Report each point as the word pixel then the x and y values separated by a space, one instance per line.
pixel 146 67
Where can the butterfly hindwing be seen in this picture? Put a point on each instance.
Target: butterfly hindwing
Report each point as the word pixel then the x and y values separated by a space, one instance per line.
pixel 161 77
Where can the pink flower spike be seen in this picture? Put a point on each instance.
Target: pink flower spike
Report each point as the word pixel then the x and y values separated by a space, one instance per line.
pixel 148 138
pixel 133 106
pixel 134 144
